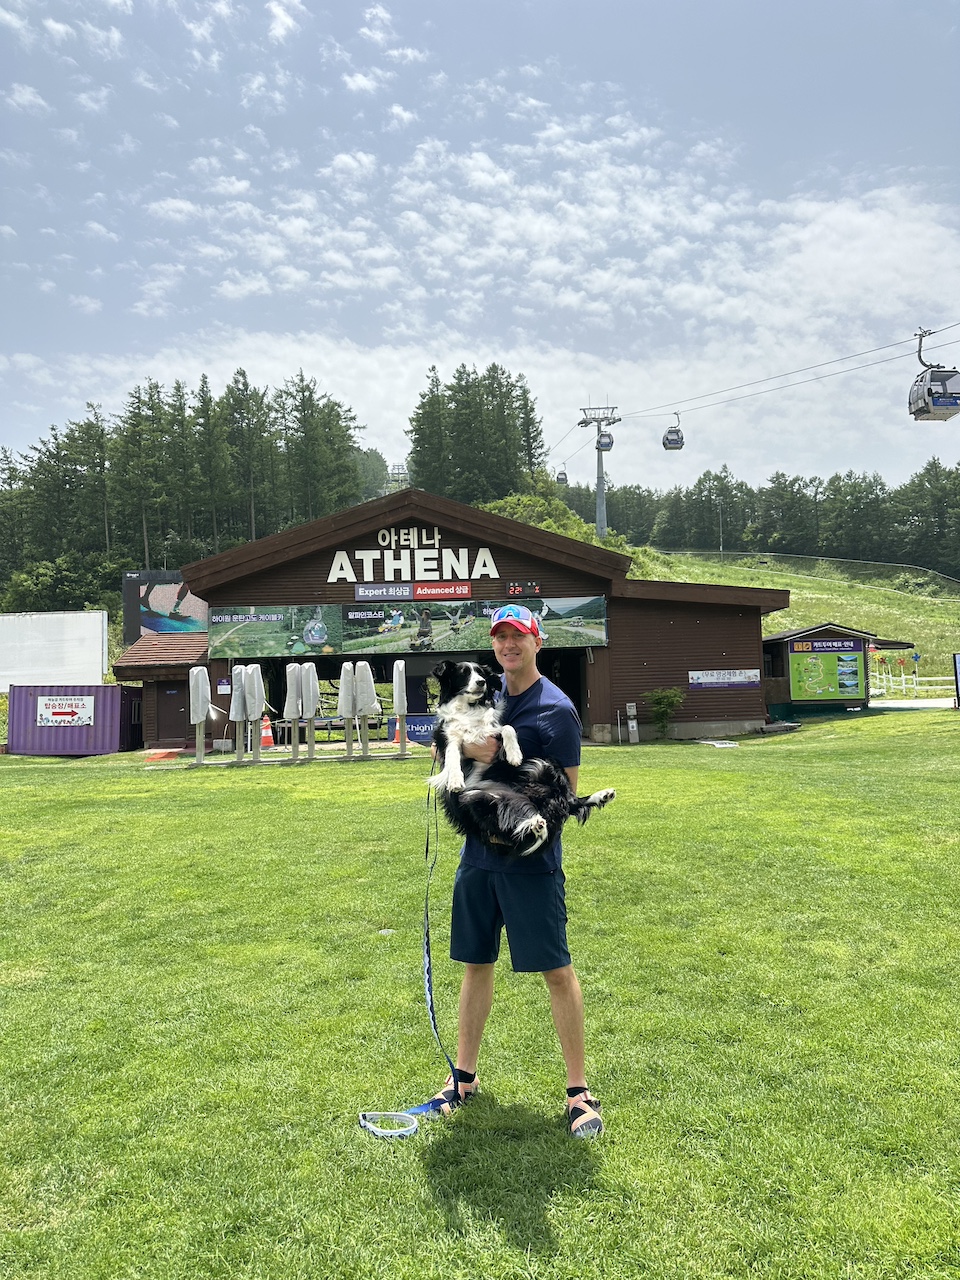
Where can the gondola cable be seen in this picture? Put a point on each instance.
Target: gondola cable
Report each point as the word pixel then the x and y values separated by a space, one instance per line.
pixel 639 413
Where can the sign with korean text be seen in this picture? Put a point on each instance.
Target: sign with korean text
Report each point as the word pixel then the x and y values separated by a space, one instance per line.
pixel 414 555
pixel 822 670
pixel 735 678
pixel 56 710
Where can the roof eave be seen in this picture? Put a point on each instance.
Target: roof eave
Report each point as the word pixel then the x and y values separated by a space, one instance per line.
pixel 319 535
pixel 766 599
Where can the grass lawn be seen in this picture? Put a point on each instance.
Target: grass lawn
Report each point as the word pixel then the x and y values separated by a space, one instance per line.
pixel 206 974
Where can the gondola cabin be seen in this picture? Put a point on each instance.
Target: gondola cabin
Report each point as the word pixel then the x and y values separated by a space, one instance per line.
pixel 562 477
pixel 935 395
pixel 605 441
pixel 673 438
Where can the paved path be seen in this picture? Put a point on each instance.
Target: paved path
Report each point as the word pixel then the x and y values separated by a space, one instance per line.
pixel 911 704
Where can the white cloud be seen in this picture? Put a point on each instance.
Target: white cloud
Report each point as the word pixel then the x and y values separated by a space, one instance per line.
pixel 291 278
pixel 331 52
pixel 85 304
pixel 173 209
pixel 379 25
pixel 230 186
pixel 99 232
pixel 163 280
pixel 367 81
pixel 23 97
pixel 7 232
pixel 399 118
pixel 105 43
pixel 128 145
pixel 95 100
pixel 283 18
pixel 352 167
pixel 18 25
pixel 59 31
pixel 211 62
pixel 406 55
pixel 236 286
pixel 168 122
pixel 284 161
pixel 259 90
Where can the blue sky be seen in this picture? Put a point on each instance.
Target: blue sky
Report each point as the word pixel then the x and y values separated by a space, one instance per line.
pixel 631 203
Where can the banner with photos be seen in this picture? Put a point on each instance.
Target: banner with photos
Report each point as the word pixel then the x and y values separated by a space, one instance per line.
pixel 265 631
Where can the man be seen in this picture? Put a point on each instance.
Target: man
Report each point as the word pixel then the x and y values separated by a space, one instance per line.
pixel 494 888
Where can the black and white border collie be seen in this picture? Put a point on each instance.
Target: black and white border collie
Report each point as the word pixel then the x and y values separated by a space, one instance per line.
pixel 521 804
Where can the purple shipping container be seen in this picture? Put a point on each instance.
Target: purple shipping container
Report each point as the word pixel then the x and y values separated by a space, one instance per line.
pixel 69 719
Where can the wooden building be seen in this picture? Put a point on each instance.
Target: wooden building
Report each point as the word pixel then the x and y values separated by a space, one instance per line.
pixel 415 576
pixel 812 670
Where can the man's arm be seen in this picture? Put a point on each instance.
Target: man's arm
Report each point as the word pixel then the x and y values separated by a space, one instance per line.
pixel 573 773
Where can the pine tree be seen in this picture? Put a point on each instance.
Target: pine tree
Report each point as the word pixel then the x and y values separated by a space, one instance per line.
pixel 429 462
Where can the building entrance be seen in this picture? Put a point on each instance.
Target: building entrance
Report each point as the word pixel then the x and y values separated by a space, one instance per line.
pixel 172 711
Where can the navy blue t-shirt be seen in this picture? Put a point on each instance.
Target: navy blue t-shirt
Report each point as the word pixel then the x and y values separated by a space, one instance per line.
pixel 547 724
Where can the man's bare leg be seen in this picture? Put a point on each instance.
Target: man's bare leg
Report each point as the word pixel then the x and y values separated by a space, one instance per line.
pixel 476 1000
pixel 566 1005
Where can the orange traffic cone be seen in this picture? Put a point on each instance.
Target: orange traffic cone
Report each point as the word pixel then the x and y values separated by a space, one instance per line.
pixel 396 735
pixel 266 732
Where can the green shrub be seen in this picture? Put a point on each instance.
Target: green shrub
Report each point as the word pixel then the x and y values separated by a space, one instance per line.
pixel 663 703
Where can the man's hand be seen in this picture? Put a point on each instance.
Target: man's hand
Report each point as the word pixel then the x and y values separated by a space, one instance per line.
pixel 482 752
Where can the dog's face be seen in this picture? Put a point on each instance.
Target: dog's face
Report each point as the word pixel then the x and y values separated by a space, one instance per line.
pixel 473 681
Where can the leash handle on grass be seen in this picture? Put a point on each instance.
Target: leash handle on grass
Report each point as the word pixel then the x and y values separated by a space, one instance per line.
pixel 389 1124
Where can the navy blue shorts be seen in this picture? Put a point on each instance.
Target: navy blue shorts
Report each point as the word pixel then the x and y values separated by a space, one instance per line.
pixel 531 907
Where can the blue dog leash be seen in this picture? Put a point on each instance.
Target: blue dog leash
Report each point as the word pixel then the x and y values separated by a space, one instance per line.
pixel 434 1104
pixel 404 1124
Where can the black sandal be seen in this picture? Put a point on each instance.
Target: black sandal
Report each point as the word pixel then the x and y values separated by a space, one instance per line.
pixel 583 1115
pixel 448 1100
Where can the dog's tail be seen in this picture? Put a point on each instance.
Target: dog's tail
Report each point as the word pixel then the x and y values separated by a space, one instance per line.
pixel 583 806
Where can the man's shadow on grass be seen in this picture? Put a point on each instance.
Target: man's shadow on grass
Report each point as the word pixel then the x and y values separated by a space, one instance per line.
pixel 504 1164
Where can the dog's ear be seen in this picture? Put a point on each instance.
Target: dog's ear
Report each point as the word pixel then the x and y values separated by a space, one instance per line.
pixel 492 676
pixel 441 669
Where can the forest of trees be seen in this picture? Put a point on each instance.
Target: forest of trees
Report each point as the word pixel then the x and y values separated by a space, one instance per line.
pixel 177 475
pixel 850 516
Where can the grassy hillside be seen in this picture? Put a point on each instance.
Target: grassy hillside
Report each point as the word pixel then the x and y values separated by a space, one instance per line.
pixel 828 591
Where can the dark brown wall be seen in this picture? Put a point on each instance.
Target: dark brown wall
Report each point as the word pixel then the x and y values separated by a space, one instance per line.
pixel 657 644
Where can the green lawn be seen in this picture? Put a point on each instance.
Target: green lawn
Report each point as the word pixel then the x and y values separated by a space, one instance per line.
pixel 206 973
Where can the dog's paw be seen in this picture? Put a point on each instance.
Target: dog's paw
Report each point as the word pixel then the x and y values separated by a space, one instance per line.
pixel 534 829
pixel 600 798
pixel 511 747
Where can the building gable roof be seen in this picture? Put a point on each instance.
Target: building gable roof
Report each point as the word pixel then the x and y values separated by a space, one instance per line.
pixel 870 636
pixel 408 504
pixel 162 649
pixel 414 505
